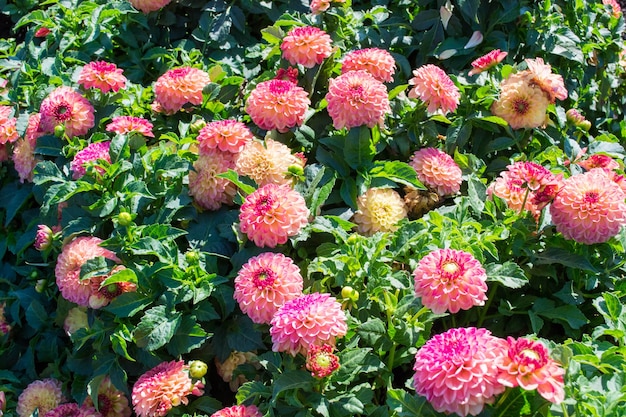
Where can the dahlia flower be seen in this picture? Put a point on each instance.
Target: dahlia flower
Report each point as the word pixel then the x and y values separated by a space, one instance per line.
pixel 577 119
pixel 43 237
pixel 5 327
pixel 437 170
pixel 265 283
pixel 522 105
pixel 33 131
pixel 599 160
pixel 24 159
pixel 540 75
pixel 226 135
pixel 102 75
pixel 8 131
pixel 180 86
pixel 92 153
pixel 267 162
pixel 616 9
pixel 163 387
pixel 589 208
pixel 66 107
pixel 310 319
pixel 207 189
pixel 435 88
pixel 290 74
pixel 148 6
pixel 111 401
pixel 487 61
pixel 124 125
pixel 75 320
pixel 102 295
pixel 378 62
pixel 272 214
pixel 456 370
pixel 528 365
pixel 69 262
pixel 238 411
pixel 379 210
pixel 227 368
pixel 321 360
pixel 306 45
pixel 319 6
pixel 450 280
pixel 277 104
pixel 356 98
pixel 43 395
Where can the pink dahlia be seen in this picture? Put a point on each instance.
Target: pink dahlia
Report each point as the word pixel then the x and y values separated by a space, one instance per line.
pixel 321 360
pixel 66 107
pixel 124 125
pixel 521 104
pixel 435 88
pixel 598 160
pixel 24 159
pixel 540 75
pixel 437 170
pixel 616 9
pixel 238 411
pixel 69 262
pixel 94 152
pixel 102 295
pixel 450 280
pixel 377 62
pixel 306 45
pixel 310 319
pixel 42 395
pixel 72 410
pixel 163 387
pixel 487 61
pixel 5 327
pixel 102 75
pixel 180 86
pixel 8 123
pixel 42 32
pixel 207 189
pixel 290 74
pixel 379 210
pixel 272 214
pixel 528 365
pixel 277 104
pixel 33 131
pixel 265 283
pixel 589 208
pixel 356 98
pixel 456 370
pixel 226 135
pixel 111 401
pixel 148 6
pixel 267 162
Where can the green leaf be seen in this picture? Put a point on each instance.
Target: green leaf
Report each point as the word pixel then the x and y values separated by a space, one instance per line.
pixel 189 336
pixel 477 193
pixel 408 405
pixel 373 332
pixel 14 196
pixel 509 274
pixel 128 304
pixel 156 328
pixel 291 380
pixel 358 149
pixel 561 256
pixel 123 275
pixel 36 315
pixel 396 171
pixel 233 177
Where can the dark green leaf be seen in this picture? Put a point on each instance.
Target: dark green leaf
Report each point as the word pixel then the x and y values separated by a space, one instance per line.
pixel 508 274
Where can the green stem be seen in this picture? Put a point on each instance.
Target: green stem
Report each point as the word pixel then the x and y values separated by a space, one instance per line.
pixel 490 296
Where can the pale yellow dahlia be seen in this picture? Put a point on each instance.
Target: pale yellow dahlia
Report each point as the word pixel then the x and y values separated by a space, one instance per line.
pixel 379 210
pixel 521 104
pixel 267 162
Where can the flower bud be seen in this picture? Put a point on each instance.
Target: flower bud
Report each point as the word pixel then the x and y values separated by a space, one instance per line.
pixel 197 369
pixel 59 131
pixel 349 293
pixel 197 126
pixel 574 117
pixel 124 218
pixel 43 238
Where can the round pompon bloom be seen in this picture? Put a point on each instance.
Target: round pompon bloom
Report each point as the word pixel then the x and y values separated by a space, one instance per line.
pixel 43 395
pixel 528 365
pixel 238 411
pixel 306 45
pixel 180 86
pixel 111 401
pixel 267 162
pixel 589 208
pixel 24 159
pixel 521 104
pixel 379 210
pixel 102 75
pixel 226 135
pixel 207 189
pixel 277 104
pixel 377 62
pixel 310 319
pixel 487 61
pixel 265 283
pixel 163 387
pixel 356 98
pixel 148 6
pixel 456 370
pixel 69 262
pixel 124 125
pixel 272 214
pixel 435 88
pixel 540 74
pixel 66 107
pixel 450 280
pixel 92 153
pixel 437 170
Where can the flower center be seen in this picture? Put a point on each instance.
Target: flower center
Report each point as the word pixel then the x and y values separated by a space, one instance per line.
pixel 279 87
pixel 592 197
pixel 450 269
pixel 264 278
pixel 521 106
pixel 62 112
pixel 104 404
pixel 263 205
pixel 111 291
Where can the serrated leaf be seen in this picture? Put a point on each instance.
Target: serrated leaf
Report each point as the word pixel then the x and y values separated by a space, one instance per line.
pixel 233 177
pixel 396 171
pixel 156 328
pixel 508 274
pixel 291 380
pixel 128 304
pixel 563 257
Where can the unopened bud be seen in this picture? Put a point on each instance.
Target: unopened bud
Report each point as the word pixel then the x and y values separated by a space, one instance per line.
pixel 197 369
pixel 59 131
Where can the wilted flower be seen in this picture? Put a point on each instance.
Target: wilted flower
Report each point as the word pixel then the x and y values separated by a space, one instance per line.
pixel 306 45
pixel 321 360
pixel 102 295
pixel 238 411
pixel 615 7
pixel 290 74
pixel 598 160
pixel 267 162
pixel 528 365
pixel 180 86
pixel 437 170
pixel 540 75
pixel 456 370
pixel 227 368
pixel 265 283
pixel 310 319
pixel 66 107
pixel 378 62
pixel 589 208
pixel 163 387
pixel 102 75
pixel 24 159
pixel 272 214
pixel 5 327
pixel 92 153
pixel 111 401
pixel 124 125
pixel 277 104
pixel 148 6
pixel 75 320
pixel 42 395
pixel 43 238
pixel 356 98
pixel 435 88
pixel 450 280
pixel 8 131
pixel 487 61
pixel 71 410
pixel 521 104
pixel 226 135
pixel 207 189
pixel 379 210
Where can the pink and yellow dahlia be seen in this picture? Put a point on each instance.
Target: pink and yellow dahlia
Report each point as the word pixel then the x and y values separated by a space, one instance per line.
pixel 521 104
pixel 72 410
pixel 42 395
pixel 378 62
pixel 321 360
pixel 94 152
pixel 434 88
pixel 75 320
pixel 8 123
pixel 24 159
pixel 66 107
pixel 102 295
pixel 487 61
pixel 125 125
pixel 180 86
pixel 238 411
pixel 437 170
pixel 598 160
pixel 148 6
pixel 277 104
pixel 207 189
pixel 102 75
pixel 111 401
pixel 267 162
pixel 226 135
pixel 379 210
pixel 306 45
pixel 540 74
pixel 616 9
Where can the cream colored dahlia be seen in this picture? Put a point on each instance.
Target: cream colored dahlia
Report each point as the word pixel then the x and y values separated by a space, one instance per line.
pixel 267 162
pixel 207 189
pixel 521 104
pixel 379 210
pixel 42 395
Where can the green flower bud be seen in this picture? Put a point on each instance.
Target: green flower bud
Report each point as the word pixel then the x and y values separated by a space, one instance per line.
pixel 59 131
pixel 349 293
pixel 124 218
pixel 197 369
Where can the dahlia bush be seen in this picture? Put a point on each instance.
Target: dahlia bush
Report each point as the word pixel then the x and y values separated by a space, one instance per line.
pixel 319 208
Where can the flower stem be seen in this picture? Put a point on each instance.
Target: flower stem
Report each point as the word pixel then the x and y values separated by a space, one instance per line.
pixel 490 296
